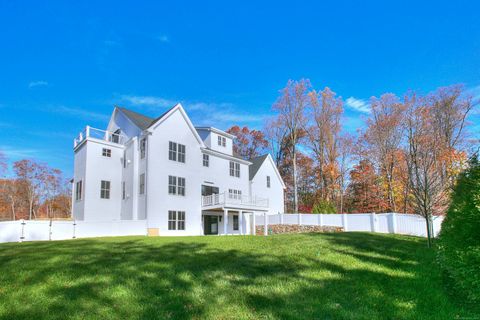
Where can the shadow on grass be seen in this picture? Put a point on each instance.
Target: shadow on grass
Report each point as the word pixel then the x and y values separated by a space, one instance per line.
pixel 348 276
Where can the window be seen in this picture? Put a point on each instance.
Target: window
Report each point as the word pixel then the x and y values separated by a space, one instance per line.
pixel 234 169
pixel 235 222
pixel 143 145
pixel 172 185
pixel 142 184
pixel 106 152
pixel 172 151
pixel 206 160
pixel 176 185
pixel 268 181
pixel 78 191
pixel 105 189
pixel 181 186
pixel 172 220
pixel 181 220
pixel 222 141
pixel 176 220
pixel 176 151
pixel 123 190
pixel 181 153
pixel 235 194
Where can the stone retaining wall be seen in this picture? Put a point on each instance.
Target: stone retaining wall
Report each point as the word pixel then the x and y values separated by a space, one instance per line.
pixel 293 228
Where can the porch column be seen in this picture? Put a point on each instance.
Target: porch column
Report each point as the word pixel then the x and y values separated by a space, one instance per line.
pixel 225 221
pixel 240 221
pixel 265 224
pixel 254 231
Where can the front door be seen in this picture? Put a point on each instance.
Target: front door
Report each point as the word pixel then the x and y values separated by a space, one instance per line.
pixel 210 224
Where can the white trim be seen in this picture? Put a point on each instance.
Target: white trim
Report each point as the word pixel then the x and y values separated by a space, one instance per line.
pixel 224 155
pixel 217 131
pixel 177 107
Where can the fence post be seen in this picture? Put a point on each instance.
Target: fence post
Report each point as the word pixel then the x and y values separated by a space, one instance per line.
pixel 299 216
pixel 22 234
pixel 394 222
pixel 74 224
pixel 281 218
pixel 50 230
pixel 373 222
pixel 265 224
pixel 344 222
pixel 320 219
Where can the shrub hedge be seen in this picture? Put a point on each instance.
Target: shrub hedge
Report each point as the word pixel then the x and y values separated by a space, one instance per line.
pixel 459 239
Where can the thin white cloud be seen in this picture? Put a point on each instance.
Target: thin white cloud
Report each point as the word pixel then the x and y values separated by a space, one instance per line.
pixel 16 153
pixel 358 105
pixel 40 83
pixel 81 113
pixel 163 38
pixel 150 101
pixel 236 117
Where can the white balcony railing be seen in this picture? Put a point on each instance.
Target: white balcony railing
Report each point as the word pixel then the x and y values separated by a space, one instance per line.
pixel 98 134
pixel 225 199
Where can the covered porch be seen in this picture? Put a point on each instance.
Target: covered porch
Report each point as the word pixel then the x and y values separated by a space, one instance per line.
pixel 229 221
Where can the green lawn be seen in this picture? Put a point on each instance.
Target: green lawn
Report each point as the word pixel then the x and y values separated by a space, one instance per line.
pixel 310 276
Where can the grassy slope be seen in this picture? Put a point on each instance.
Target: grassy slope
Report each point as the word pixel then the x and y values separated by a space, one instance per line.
pixel 312 276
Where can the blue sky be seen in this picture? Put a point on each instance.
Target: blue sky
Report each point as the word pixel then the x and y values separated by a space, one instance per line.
pixel 65 64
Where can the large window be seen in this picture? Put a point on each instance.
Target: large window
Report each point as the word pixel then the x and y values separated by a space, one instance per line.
pixel 143 145
pixel 206 160
pixel 235 194
pixel 181 153
pixel 234 169
pixel 142 184
pixel 268 181
pixel 176 151
pixel 176 220
pixel 176 185
pixel 106 152
pixel 235 222
pixel 172 151
pixel 222 141
pixel 181 186
pixel 172 185
pixel 78 191
pixel 105 189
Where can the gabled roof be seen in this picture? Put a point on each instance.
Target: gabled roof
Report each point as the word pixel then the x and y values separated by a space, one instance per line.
pixel 140 120
pixel 256 164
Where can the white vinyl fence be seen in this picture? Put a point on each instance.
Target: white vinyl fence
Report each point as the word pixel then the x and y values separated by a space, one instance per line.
pixel 409 224
pixel 34 230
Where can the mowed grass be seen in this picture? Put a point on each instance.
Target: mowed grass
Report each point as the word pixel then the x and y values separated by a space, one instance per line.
pixel 309 276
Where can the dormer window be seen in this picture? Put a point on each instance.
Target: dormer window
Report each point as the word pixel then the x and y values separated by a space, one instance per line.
pixel 222 141
pixel 106 152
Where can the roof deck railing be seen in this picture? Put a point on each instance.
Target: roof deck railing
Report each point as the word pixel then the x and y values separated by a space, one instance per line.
pixel 226 199
pixel 99 134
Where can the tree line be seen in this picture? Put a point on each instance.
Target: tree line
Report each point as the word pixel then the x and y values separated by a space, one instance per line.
pixel 34 191
pixel 405 159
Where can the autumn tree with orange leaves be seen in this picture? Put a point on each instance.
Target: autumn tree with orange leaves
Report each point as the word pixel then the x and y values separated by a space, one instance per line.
pixel 248 143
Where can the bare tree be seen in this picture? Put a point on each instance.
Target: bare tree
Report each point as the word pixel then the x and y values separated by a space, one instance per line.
pixel 291 106
pixel 435 130
pixel 383 138
pixel 30 176
pixel 276 137
pixel 323 136
pixel 345 146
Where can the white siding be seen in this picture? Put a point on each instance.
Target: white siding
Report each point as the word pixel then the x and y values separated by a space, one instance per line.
pixel 274 193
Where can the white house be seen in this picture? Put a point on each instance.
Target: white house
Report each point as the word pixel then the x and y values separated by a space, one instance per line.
pixel 181 179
